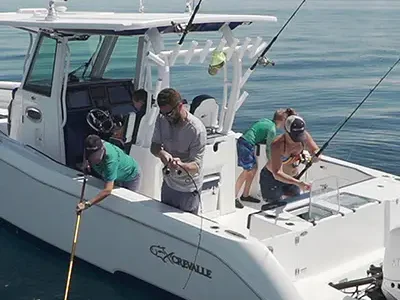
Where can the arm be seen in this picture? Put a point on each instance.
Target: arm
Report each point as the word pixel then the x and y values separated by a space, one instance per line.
pixel 310 144
pixel 270 138
pixel 109 178
pixel 110 175
pixel 108 186
pixel 156 145
pixel 312 147
pixel 196 152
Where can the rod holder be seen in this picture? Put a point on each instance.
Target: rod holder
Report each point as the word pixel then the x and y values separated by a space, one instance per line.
pixel 205 51
pixel 231 49
pixel 244 47
pixel 221 45
pixel 158 86
pixel 240 101
pixel 156 59
pixel 190 52
pixel 174 54
pixel 155 39
pixel 245 77
pixel 255 46
pixel 228 35
pixel 260 49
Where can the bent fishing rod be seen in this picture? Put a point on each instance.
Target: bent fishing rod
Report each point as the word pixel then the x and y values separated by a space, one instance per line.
pixel 261 56
pixel 309 164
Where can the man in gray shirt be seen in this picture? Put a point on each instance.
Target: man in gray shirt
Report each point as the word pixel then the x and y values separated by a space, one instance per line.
pixel 179 140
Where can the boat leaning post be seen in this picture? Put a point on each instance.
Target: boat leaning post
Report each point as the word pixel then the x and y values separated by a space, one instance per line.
pixel 232 50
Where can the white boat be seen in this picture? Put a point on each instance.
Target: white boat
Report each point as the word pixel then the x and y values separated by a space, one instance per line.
pixel 287 252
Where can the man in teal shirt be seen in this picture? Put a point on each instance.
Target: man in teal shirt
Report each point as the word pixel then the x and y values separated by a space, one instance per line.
pixel 113 165
pixel 262 131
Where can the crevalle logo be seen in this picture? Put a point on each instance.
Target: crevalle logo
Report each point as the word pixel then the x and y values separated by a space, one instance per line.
pixel 174 259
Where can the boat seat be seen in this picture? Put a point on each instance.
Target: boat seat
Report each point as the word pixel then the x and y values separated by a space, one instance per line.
pixel 206 109
pixel 132 128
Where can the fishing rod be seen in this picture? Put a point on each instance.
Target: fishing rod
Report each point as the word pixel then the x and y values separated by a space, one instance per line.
pixel 77 227
pixel 261 58
pixel 309 164
pixel 187 28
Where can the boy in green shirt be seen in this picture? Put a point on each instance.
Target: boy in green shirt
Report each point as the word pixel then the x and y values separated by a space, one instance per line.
pixel 113 165
pixel 262 131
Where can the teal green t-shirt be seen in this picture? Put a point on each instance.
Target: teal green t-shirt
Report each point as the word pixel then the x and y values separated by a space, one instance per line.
pixel 262 131
pixel 117 165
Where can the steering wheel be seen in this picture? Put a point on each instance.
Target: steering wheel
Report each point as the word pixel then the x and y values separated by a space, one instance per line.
pixel 100 120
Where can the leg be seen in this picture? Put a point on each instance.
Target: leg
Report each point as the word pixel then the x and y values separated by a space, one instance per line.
pixel 186 201
pixel 133 184
pixel 249 180
pixel 271 189
pixel 246 160
pixel 239 182
pixel 190 202
pixel 291 190
pixel 168 195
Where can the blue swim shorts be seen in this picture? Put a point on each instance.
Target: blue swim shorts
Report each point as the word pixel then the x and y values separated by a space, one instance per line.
pixel 245 153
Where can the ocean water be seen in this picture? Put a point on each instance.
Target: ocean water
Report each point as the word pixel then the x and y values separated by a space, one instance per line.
pixel 327 60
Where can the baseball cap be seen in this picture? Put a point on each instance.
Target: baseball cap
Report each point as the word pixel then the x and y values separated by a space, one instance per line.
pixel 295 126
pixel 94 149
pixel 218 60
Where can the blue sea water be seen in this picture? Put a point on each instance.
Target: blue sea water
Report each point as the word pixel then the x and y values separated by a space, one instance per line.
pixel 327 60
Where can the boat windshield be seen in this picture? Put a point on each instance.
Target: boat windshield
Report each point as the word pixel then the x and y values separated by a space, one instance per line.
pixel 101 57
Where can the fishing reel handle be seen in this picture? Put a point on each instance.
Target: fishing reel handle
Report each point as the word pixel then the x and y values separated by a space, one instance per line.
pixel 166 170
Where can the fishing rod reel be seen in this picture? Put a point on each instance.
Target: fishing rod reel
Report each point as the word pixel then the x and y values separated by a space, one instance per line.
pixel 265 61
pixel 166 170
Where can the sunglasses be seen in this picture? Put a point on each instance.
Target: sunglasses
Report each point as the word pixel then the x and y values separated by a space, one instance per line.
pixel 169 113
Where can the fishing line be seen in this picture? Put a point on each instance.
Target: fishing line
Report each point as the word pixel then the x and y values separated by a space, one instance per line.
pixel 309 164
pixel 355 144
pixel 167 171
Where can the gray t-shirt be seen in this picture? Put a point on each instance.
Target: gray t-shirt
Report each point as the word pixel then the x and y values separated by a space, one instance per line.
pixel 187 141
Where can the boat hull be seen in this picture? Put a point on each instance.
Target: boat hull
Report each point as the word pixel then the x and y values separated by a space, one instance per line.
pixel 142 237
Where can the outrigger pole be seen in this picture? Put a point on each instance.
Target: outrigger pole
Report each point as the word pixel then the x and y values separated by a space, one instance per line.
pixel 261 58
pixel 309 164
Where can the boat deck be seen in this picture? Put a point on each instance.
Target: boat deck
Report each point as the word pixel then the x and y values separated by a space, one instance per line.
pixel 351 232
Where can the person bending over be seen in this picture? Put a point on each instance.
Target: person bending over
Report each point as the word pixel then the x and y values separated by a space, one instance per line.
pixel 113 165
pixel 277 178
pixel 262 131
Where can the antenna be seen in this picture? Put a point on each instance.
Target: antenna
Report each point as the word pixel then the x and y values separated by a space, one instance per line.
pixel 141 6
pixel 52 11
pixel 189 6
